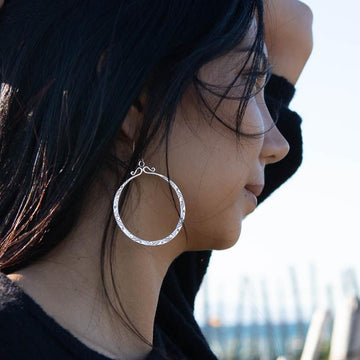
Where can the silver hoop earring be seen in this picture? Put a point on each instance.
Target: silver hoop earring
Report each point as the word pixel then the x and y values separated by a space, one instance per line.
pixel 142 168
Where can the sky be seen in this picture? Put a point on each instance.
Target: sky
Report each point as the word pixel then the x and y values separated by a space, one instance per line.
pixel 311 221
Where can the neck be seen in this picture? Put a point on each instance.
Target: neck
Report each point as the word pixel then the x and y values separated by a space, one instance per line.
pixel 67 284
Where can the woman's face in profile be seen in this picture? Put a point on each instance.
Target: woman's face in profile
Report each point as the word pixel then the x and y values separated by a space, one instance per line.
pixel 207 165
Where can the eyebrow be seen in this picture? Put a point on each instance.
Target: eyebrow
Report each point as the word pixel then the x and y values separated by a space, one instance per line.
pixel 239 49
pixel 264 65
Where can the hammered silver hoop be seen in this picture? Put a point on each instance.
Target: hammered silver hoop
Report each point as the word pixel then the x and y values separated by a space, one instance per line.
pixel 142 168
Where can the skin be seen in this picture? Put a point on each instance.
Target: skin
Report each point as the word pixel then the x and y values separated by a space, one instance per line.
pixel 67 283
pixel 288 35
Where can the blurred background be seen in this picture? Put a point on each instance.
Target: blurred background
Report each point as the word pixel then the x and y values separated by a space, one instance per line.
pixel 297 260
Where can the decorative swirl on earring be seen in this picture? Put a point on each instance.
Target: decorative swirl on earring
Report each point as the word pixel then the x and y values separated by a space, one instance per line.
pixel 142 168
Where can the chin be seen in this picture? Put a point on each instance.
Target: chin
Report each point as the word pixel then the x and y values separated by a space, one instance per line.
pixel 215 239
pixel 227 234
pixel 226 242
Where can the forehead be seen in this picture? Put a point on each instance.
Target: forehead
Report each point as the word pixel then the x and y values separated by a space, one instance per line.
pixel 248 39
pixel 224 68
pixel 246 44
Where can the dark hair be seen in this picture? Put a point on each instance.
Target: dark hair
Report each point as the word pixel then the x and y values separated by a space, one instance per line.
pixel 70 70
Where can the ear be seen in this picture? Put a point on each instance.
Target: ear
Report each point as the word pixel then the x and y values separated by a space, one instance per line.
pixel 133 120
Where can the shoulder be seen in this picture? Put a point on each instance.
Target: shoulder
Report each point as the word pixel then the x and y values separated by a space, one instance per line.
pixel 10 297
pixel 22 333
pixel 27 332
pixel 12 319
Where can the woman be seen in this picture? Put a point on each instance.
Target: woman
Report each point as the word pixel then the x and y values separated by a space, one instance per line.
pixel 91 91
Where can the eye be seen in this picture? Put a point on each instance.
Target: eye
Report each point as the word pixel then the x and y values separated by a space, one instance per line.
pixel 261 79
pixel 261 76
pixel 259 83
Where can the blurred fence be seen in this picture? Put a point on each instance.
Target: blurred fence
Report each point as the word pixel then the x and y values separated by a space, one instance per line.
pixel 331 333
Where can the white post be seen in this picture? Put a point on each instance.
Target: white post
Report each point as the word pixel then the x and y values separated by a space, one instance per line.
pixel 314 335
pixel 345 334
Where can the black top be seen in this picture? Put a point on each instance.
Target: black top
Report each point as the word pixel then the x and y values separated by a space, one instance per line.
pixel 27 332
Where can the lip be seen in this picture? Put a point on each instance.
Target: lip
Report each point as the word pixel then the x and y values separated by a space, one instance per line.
pixel 252 197
pixel 255 189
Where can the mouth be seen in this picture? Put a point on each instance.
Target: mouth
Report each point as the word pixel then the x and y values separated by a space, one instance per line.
pixel 255 189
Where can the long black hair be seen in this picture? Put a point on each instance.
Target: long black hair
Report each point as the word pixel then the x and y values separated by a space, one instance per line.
pixel 70 70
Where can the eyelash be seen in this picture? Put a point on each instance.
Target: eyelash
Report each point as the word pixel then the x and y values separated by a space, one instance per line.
pixel 262 77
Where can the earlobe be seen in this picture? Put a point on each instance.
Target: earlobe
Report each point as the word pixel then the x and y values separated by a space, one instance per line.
pixel 132 121
pixel 138 105
pixel 129 126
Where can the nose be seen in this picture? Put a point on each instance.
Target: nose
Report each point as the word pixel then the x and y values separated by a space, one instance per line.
pixel 275 146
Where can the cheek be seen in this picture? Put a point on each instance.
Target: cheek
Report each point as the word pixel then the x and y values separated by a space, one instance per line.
pixel 212 173
pixel 253 121
pixel 219 229
pixel 208 165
